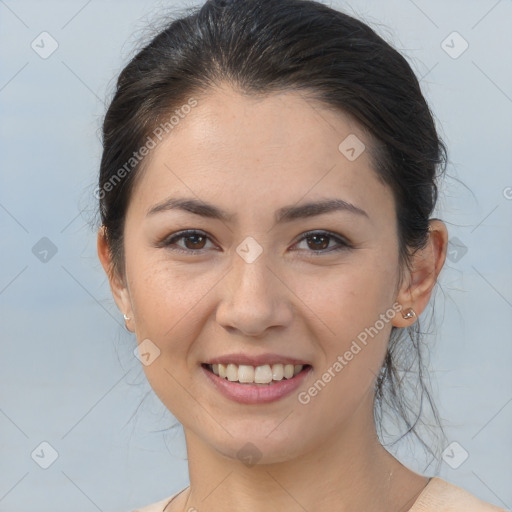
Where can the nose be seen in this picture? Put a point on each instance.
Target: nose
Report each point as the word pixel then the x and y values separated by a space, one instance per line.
pixel 253 299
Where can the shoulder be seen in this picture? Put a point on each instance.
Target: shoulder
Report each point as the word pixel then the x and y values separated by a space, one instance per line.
pixel 442 496
pixel 156 507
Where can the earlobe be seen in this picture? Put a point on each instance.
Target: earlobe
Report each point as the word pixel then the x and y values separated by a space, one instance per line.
pixel 117 286
pixel 426 266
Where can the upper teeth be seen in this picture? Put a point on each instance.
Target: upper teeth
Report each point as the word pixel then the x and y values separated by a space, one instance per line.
pixel 260 374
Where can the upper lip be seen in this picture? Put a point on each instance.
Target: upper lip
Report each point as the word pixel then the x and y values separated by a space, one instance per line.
pixel 259 360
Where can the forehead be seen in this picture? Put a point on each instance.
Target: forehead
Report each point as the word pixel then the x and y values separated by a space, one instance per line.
pixel 274 148
pixel 281 121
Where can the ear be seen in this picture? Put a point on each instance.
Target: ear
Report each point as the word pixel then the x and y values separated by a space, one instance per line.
pixel 117 285
pixel 427 263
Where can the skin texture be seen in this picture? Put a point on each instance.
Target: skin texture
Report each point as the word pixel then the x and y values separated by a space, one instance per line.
pixel 251 156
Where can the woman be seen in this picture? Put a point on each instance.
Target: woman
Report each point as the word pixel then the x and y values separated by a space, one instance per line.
pixel 266 186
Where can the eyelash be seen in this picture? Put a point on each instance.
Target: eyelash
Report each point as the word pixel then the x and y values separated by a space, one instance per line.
pixel 169 241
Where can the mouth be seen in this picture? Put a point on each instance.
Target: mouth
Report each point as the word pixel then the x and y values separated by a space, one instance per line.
pixel 262 375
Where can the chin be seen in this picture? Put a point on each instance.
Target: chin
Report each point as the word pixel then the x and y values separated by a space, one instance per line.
pixel 258 447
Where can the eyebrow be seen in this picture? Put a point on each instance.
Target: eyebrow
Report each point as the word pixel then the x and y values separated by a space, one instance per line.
pixel 284 214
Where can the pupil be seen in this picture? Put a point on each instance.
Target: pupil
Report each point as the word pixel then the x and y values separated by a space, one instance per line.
pixel 324 243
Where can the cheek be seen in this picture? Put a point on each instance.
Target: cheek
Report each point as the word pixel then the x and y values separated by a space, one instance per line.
pixel 165 294
pixel 353 339
pixel 169 303
pixel 350 297
pixel 171 307
pixel 352 308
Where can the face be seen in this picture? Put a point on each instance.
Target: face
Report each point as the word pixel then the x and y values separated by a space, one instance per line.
pixel 270 281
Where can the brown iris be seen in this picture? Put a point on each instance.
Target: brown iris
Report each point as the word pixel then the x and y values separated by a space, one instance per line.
pixel 320 241
pixel 197 242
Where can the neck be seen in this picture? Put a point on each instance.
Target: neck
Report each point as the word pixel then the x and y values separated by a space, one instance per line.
pixel 348 470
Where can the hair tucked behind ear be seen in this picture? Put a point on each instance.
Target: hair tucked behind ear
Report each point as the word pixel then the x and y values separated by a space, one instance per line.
pixel 262 46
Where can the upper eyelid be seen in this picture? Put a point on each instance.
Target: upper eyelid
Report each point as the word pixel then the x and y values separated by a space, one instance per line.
pixel 183 234
pixel 342 241
pixel 307 234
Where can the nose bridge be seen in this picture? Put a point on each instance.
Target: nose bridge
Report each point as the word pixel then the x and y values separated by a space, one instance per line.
pixel 251 276
pixel 250 262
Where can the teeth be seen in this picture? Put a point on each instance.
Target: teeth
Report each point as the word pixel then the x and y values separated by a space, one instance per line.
pixel 277 371
pixel 264 374
pixel 288 371
pixel 232 372
pixel 245 373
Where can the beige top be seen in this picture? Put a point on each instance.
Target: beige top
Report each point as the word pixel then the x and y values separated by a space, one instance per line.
pixel 438 496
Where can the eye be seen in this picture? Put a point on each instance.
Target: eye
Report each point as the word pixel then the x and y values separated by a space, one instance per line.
pixel 320 242
pixel 193 241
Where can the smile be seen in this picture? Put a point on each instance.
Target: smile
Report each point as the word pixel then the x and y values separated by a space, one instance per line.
pixel 255 384
pixel 263 374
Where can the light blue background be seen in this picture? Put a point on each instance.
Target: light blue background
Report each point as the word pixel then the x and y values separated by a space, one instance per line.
pixel 67 372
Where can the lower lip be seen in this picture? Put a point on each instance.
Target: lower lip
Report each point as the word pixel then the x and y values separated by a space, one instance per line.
pixel 256 394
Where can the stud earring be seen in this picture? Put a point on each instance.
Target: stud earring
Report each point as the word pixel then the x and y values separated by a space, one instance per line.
pixel 410 314
pixel 126 317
